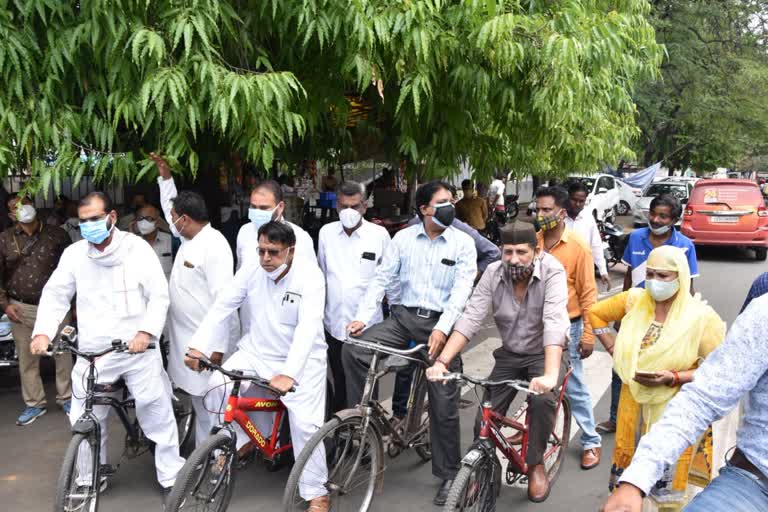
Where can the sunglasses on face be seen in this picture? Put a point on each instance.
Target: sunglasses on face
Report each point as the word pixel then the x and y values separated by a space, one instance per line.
pixel 273 253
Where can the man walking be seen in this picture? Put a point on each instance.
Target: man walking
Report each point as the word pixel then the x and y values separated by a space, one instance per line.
pixel 572 252
pixel 471 209
pixel 349 251
pixel 147 225
pixel 29 253
pixel 583 223
pixel 434 264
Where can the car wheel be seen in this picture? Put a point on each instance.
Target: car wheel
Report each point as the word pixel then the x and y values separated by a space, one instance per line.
pixel 623 208
pixel 761 253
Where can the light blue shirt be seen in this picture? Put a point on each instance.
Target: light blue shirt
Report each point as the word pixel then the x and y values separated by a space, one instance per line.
pixel 737 367
pixel 433 274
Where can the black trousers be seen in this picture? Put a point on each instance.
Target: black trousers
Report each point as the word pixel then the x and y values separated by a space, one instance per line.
pixel 541 408
pixel 397 331
pixel 339 399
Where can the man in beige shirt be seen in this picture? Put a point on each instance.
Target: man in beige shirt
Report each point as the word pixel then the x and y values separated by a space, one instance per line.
pixel 528 295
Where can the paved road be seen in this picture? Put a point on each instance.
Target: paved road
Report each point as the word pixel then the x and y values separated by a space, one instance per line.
pixel 31 456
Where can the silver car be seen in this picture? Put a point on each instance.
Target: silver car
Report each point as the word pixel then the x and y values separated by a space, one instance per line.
pixel 679 189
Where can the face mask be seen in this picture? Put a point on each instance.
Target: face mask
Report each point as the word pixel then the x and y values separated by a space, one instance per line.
pixel 277 272
pixel 350 218
pixel 662 290
pixel 444 214
pixel 174 230
pixel 260 217
pixel 95 231
pixel 660 230
pixel 517 273
pixel 146 226
pixel 548 222
pixel 26 214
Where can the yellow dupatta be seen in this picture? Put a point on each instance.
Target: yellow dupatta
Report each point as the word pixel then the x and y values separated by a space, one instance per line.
pixel 679 342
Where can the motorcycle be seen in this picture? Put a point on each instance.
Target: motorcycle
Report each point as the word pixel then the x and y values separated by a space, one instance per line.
pixel 614 242
pixel 511 206
pixel 8 356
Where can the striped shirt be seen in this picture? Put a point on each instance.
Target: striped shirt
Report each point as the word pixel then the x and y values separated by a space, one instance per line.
pixel 433 274
pixel 759 288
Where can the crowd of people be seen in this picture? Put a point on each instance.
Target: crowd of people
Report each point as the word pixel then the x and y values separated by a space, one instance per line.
pixel 278 308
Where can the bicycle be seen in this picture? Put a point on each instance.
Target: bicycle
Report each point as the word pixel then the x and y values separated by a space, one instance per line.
pixel 73 492
pixel 353 440
pixel 207 479
pixel 478 482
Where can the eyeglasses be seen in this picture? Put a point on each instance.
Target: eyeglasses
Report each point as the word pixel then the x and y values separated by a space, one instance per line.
pixel 273 253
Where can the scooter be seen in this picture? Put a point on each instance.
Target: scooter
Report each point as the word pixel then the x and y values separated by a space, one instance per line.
pixel 8 356
pixel 614 242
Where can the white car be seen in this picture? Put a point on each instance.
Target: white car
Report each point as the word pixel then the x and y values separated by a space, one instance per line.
pixel 628 196
pixel 603 198
pixel 678 188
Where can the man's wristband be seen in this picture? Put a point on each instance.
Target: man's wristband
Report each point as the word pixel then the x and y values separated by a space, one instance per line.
pixel 443 362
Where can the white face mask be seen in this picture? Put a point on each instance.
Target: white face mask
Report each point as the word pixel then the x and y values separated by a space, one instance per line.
pixel 146 226
pixel 277 272
pixel 661 230
pixel 662 290
pixel 350 218
pixel 174 230
pixel 26 214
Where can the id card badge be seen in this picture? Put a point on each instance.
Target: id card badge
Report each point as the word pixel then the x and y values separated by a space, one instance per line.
pixel 289 308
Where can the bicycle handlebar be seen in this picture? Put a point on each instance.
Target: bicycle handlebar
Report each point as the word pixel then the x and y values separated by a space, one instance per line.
pixel 385 349
pixel 117 346
pixel 239 375
pixel 519 385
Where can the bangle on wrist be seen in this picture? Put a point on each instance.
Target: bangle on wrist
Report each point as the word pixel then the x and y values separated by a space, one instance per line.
pixel 675 379
pixel 443 362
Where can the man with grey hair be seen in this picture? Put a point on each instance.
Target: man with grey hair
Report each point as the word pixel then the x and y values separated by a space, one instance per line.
pixel 348 252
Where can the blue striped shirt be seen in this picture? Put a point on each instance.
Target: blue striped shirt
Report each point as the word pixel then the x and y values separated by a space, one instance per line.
pixel 759 287
pixel 433 274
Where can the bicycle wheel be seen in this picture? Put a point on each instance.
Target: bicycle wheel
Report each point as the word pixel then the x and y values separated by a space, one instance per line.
pixel 206 481
pixel 338 460
pixel 557 444
pixel 185 420
pixel 476 485
pixel 420 421
pixel 75 491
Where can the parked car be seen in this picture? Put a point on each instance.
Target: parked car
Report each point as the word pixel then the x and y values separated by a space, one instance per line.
pixel 727 212
pixel 627 198
pixel 603 197
pixel 680 189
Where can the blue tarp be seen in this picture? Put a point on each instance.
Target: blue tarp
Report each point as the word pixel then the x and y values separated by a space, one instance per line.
pixel 643 178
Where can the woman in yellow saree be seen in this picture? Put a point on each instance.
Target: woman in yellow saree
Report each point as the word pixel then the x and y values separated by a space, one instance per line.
pixel 665 333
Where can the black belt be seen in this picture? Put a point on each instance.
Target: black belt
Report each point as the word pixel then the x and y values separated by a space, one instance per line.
pixel 28 302
pixel 423 313
pixel 574 320
pixel 739 460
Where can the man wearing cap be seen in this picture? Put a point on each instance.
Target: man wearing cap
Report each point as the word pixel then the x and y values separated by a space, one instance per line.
pixel 527 293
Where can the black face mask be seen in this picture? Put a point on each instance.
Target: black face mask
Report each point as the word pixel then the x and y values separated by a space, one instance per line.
pixel 444 214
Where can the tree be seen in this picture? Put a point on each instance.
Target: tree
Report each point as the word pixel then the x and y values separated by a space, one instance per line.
pixel 708 110
pixel 95 85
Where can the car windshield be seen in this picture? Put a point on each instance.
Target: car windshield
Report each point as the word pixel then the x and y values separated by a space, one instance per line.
pixel 679 191
pixel 588 182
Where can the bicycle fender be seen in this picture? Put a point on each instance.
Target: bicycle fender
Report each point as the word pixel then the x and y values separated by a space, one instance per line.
pixel 83 426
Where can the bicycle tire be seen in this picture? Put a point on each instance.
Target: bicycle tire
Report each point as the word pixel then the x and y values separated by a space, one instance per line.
pixel 67 477
pixel 190 478
pixel 419 418
pixel 335 436
pixel 185 421
pixel 485 469
pixel 553 471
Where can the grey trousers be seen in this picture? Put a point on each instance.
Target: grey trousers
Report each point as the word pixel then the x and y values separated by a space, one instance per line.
pixel 397 331
pixel 541 408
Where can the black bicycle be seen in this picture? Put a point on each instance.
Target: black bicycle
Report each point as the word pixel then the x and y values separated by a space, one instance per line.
pixel 82 477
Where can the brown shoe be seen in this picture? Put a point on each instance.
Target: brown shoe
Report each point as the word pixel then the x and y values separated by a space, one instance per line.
pixel 590 458
pixel 606 427
pixel 538 484
pixel 321 504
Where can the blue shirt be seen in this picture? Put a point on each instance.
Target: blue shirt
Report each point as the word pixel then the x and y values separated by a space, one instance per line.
pixel 433 274
pixel 487 252
pixel 759 287
pixel 738 367
pixel 639 247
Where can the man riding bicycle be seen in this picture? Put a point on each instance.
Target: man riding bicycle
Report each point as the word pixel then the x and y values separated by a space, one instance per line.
pixel 121 294
pixel 528 294
pixel 286 344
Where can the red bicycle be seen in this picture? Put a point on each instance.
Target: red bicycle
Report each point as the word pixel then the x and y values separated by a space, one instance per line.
pixel 478 482
pixel 206 480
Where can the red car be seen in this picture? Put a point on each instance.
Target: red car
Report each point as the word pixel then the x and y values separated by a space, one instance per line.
pixel 727 212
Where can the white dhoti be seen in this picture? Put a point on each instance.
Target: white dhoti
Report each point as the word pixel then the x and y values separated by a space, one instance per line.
pixel 306 409
pixel 148 384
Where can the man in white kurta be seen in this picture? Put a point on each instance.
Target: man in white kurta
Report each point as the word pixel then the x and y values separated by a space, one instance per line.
pixel 203 267
pixel 348 253
pixel 121 294
pixel 286 345
pixel 266 204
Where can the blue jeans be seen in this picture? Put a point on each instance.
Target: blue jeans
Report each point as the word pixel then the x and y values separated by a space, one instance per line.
pixel 735 490
pixel 577 391
pixel 615 395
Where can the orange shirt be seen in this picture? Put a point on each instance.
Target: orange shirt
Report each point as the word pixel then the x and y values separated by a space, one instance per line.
pixel 575 255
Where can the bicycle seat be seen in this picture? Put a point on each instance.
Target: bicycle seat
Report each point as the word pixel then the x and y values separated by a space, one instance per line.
pixel 111 387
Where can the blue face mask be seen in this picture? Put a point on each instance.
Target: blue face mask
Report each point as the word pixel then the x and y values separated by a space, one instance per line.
pixel 260 217
pixel 95 231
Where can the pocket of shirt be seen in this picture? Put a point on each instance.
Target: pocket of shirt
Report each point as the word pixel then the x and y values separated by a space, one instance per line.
pixel 367 268
pixel 127 300
pixel 289 309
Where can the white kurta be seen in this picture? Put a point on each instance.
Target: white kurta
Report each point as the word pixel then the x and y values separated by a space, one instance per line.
pixel 119 292
pixel 164 250
pixel 247 251
pixel 584 224
pixel 349 263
